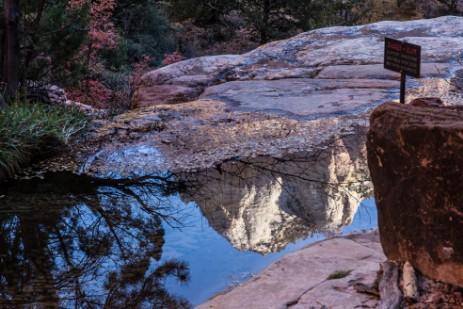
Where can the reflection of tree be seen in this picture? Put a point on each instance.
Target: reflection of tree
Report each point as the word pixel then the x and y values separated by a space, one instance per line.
pixel 263 203
pixel 90 244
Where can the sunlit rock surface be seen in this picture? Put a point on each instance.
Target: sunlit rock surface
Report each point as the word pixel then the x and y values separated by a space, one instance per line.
pixel 313 73
pixel 415 159
pixel 262 204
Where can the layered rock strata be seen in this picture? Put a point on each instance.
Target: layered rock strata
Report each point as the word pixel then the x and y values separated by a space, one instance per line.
pixel 416 164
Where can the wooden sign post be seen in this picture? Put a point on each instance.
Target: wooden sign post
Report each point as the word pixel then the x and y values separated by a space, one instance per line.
pixel 404 58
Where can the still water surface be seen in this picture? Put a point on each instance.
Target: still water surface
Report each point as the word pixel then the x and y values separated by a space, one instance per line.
pixel 168 241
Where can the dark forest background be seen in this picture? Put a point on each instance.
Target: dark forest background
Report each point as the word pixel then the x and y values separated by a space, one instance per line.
pixel 97 50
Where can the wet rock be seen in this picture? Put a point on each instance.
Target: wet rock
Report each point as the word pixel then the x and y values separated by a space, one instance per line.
pixel 414 156
pixel 335 53
pixel 202 134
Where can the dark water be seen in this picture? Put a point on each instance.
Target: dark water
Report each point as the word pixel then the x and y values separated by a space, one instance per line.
pixel 168 241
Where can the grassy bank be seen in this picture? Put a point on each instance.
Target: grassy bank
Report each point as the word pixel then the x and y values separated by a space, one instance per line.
pixel 30 130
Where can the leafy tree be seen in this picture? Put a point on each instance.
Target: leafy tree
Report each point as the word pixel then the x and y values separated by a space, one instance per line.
pixel 279 19
pixel 43 44
pixel 434 8
pixel 144 30
pixel 258 21
pixel 123 36
pixel 204 12
pixel 51 37
pixel 102 36
pixel 200 24
pixel 271 19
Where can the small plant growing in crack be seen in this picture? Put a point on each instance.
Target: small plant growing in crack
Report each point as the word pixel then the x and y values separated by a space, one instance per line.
pixel 339 274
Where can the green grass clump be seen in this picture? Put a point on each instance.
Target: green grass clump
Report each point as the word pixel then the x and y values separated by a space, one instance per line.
pixel 339 274
pixel 28 130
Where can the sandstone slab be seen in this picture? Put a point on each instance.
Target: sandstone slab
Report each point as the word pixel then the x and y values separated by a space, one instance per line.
pixel 301 97
pixel 415 161
pixel 201 134
pixel 300 279
pixel 170 84
pixel 328 54
pixel 377 71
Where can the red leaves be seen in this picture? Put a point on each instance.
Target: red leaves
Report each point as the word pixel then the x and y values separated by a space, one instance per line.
pixel 91 92
pixel 176 56
pixel 140 68
pixel 102 36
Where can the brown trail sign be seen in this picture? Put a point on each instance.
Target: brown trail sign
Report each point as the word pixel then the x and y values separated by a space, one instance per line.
pixel 404 58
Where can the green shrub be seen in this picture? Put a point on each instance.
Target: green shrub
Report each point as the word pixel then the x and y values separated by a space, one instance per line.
pixel 339 274
pixel 30 130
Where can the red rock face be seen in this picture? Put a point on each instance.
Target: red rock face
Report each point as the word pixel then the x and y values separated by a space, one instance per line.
pixel 163 94
pixel 415 156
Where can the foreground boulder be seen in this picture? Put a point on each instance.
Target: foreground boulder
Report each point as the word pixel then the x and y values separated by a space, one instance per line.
pixel 415 157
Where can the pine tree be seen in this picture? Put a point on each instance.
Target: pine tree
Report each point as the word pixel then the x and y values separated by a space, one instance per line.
pixel 10 52
pixel 40 40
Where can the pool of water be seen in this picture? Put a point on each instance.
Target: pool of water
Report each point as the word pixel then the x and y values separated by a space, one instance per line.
pixel 215 265
pixel 169 240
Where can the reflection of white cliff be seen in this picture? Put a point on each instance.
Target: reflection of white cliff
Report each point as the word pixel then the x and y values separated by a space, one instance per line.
pixel 263 204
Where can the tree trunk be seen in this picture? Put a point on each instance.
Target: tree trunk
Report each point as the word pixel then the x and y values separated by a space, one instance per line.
pixel 11 47
pixel 2 101
pixel 28 52
pixel 265 22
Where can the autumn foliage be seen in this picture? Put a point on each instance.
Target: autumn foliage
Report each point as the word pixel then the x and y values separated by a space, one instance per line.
pixel 174 57
pixel 102 36
pixel 99 49
pixel 92 92
pixel 103 40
